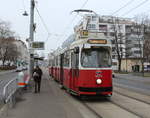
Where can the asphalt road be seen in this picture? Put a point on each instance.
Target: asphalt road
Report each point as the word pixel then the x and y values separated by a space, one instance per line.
pixel 135 83
pixel 5 78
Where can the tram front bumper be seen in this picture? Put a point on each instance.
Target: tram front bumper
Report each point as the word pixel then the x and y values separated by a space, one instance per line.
pixel 95 91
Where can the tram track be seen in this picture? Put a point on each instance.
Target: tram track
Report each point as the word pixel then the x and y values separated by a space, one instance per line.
pixel 91 109
pixel 146 102
pixel 131 104
pixel 126 109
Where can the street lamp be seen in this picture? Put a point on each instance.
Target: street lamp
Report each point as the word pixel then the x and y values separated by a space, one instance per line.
pixel 25 13
pixel 31 37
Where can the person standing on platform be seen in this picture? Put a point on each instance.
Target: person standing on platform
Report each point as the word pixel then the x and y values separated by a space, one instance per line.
pixel 37 75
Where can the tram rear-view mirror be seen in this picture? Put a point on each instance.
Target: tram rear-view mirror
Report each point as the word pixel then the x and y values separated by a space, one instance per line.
pixel 76 50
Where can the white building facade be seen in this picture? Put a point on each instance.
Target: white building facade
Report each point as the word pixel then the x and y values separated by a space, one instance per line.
pixel 129 44
pixel 23 51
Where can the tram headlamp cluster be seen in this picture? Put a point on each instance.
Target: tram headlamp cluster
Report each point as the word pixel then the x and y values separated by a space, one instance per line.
pixel 98 81
pixel 97 41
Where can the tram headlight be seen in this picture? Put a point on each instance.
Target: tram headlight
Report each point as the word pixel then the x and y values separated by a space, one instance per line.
pixel 98 81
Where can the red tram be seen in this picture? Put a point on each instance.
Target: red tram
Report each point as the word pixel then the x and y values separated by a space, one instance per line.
pixel 83 64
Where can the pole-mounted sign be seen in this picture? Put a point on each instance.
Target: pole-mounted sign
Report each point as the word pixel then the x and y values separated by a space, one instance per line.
pixel 38 45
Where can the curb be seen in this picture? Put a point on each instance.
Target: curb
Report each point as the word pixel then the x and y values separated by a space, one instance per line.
pixel 4 111
pixel 5 72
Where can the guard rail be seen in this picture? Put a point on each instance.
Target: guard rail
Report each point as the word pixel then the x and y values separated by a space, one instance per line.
pixel 9 89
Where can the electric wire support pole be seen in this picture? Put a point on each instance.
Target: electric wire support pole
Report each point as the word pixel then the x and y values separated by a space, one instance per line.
pixel 31 39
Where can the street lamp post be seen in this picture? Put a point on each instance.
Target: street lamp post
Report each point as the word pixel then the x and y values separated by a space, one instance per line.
pixel 31 38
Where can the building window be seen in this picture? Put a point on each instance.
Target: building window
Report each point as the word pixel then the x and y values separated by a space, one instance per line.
pixel 112 34
pixel 91 26
pixel 137 45
pixel 94 18
pixel 113 41
pixel 113 56
pixel 137 51
pixel 113 49
pixel 112 27
pixel 114 63
pixel 103 27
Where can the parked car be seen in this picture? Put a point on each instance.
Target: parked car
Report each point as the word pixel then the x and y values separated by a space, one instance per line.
pixel 19 68
pixel 24 67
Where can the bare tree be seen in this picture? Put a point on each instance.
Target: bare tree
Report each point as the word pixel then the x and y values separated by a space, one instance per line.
pixel 5 32
pixel 147 50
pixel 142 26
pixel 118 39
pixel 8 50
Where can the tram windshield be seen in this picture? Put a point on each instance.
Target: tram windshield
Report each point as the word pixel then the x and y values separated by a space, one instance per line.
pixel 96 58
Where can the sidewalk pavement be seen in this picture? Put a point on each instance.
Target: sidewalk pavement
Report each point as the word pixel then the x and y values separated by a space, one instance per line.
pixel 51 102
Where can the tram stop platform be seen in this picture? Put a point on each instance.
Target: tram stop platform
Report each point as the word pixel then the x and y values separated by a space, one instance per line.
pixel 51 102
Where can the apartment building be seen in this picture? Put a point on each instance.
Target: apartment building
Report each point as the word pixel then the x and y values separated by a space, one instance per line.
pixel 129 43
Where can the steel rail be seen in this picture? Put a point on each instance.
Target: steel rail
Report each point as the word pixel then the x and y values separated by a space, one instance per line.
pixel 126 109
pixel 146 102
pixel 92 110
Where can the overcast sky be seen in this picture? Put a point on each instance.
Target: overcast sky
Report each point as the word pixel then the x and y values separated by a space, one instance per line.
pixel 57 16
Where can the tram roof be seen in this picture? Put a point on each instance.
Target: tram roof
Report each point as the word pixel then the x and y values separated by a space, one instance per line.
pixel 68 42
pixel 77 39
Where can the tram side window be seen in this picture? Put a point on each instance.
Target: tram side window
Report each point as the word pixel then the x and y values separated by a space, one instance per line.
pixel 66 59
pixel 56 61
pixel 75 61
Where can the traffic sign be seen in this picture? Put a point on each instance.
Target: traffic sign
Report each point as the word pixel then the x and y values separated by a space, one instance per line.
pixel 38 45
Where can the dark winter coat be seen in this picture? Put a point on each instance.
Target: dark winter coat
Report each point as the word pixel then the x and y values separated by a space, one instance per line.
pixel 39 72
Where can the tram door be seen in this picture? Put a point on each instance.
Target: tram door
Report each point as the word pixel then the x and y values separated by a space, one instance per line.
pixel 61 69
pixel 74 70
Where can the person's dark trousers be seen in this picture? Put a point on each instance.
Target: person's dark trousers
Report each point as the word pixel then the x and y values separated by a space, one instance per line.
pixel 39 85
pixel 36 84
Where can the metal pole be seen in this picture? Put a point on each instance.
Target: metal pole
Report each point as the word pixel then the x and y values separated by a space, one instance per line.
pixel 31 39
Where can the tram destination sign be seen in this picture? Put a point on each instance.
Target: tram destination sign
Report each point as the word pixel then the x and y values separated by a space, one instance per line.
pixel 38 45
pixel 84 33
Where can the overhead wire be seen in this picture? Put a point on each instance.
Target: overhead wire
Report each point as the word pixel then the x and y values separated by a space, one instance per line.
pixel 128 3
pixel 83 5
pixel 129 11
pixel 23 5
pixel 45 26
